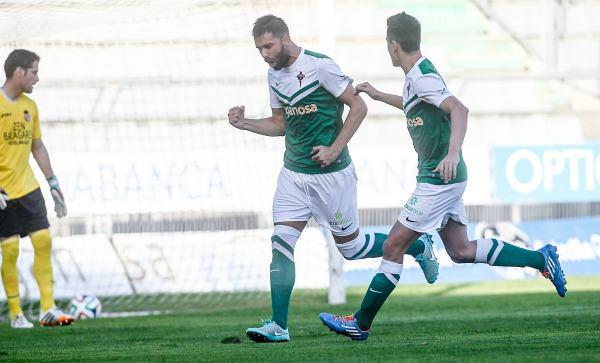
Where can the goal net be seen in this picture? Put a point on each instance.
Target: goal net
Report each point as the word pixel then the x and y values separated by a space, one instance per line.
pixel 169 206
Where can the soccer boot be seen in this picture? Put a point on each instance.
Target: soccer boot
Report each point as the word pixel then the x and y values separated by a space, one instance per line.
pixel 427 260
pixel 20 322
pixel 552 269
pixel 269 332
pixel 55 317
pixel 345 325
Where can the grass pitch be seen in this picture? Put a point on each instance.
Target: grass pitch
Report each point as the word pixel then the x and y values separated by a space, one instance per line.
pixel 499 321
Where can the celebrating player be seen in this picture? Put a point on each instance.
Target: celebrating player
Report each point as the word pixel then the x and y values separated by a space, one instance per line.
pixel 308 92
pixel 437 123
pixel 22 207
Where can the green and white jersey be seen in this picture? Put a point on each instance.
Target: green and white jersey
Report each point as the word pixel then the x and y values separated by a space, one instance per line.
pixel 428 125
pixel 307 90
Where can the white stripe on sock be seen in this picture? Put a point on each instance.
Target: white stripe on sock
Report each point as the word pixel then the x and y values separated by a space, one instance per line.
pixel 369 246
pixel 351 248
pixel 484 245
pixel 496 252
pixel 283 250
pixel 289 234
pixel 392 279
pixel 389 269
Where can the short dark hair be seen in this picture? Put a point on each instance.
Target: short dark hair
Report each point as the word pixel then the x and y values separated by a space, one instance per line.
pixel 406 30
pixel 270 24
pixel 19 58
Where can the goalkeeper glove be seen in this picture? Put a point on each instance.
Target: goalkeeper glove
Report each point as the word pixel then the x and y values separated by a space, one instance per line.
pixel 3 199
pixel 59 200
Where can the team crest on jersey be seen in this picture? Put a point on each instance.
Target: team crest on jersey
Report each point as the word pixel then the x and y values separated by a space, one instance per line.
pixel 300 77
pixel 26 115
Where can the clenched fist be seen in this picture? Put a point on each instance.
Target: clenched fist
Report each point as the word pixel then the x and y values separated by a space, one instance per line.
pixel 236 117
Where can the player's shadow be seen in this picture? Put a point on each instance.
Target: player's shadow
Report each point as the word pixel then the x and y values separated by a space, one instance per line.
pixel 449 289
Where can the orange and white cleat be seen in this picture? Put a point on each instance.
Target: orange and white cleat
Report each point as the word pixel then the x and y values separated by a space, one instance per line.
pixel 55 317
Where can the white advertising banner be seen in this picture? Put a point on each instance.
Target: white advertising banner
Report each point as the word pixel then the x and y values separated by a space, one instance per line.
pixel 81 265
pixel 171 263
pixel 212 167
pixel 216 261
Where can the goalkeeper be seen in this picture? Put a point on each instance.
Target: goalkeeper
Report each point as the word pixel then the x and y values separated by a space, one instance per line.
pixel 22 207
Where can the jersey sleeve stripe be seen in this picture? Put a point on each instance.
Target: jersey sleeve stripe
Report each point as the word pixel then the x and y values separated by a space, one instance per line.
pixel 414 98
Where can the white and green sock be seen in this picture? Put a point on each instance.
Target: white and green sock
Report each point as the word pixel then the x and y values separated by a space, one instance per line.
pixel 282 271
pixel 495 252
pixel 370 245
pixel 381 287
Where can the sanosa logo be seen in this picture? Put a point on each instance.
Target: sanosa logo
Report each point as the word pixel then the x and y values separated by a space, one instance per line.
pixel 413 122
pixel 301 110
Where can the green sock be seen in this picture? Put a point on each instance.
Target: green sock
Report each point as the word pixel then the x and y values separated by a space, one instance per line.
pixel 511 255
pixel 379 290
pixel 415 249
pixel 377 249
pixel 499 253
pixel 283 276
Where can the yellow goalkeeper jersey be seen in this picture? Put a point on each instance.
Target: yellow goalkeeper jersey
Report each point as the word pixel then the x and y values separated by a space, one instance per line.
pixel 19 126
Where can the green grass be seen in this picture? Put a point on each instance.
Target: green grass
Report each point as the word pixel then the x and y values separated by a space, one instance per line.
pixel 500 321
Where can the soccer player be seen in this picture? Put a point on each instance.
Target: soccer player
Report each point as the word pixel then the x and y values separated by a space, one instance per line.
pixel 437 123
pixel 22 207
pixel 308 92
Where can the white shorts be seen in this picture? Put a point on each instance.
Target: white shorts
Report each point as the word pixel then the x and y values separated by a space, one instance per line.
pixel 330 198
pixel 430 207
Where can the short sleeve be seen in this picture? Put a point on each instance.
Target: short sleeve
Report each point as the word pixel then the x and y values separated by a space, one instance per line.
pixel 37 131
pixel 331 77
pixel 431 88
pixel 274 100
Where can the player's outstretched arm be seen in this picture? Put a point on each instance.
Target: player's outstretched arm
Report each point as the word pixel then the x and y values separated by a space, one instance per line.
pixel 325 155
pixel 41 156
pixel 269 126
pixel 389 98
pixel 458 128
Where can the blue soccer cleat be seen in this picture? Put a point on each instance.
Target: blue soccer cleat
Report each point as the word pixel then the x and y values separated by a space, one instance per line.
pixel 269 332
pixel 552 269
pixel 427 260
pixel 345 325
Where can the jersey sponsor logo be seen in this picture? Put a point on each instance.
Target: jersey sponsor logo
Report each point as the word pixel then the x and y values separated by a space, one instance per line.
pixel 18 135
pixel 414 122
pixel 300 110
